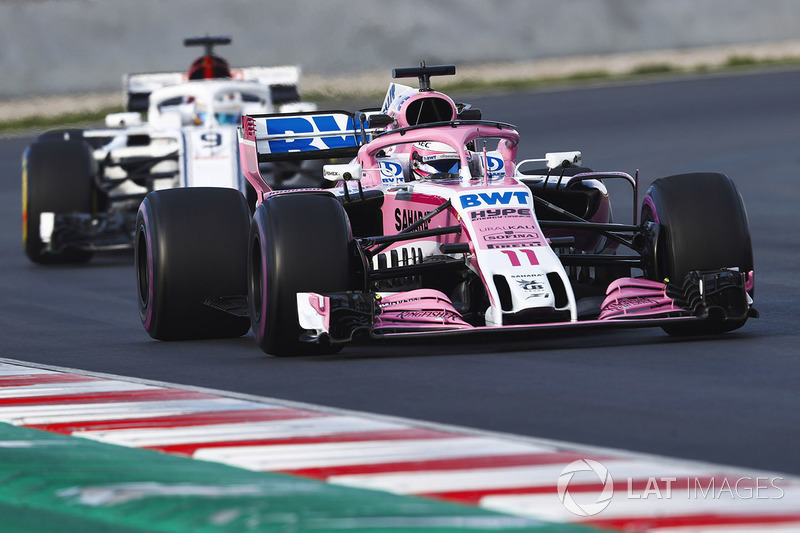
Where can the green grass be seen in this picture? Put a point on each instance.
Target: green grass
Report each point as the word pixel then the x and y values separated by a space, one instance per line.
pixel 592 76
pixel 735 62
pixel 741 61
pixel 43 123
pixel 654 68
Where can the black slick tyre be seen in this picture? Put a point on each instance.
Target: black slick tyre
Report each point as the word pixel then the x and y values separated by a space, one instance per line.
pixel 57 177
pixel 191 246
pixel 703 226
pixel 299 242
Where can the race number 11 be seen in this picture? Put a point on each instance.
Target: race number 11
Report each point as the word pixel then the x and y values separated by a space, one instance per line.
pixel 514 258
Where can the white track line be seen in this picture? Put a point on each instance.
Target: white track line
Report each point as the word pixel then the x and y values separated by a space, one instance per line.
pixel 217 442
pixel 292 428
pixel 53 414
pixel 289 457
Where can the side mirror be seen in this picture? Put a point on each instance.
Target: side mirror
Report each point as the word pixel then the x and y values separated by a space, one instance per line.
pixel 563 159
pixel 351 171
pixel 122 120
pixel 470 114
pixel 379 121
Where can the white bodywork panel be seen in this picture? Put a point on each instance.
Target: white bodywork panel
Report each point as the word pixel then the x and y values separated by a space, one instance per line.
pixel 212 158
pixel 524 263
pixel 191 126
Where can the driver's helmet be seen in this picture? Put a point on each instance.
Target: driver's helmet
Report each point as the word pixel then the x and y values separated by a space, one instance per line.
pixel 228 119
pixel 430 159
pixel 227 109
pixel 221 118
pixel 209 67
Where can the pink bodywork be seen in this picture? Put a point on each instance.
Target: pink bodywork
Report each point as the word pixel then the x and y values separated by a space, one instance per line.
pixel 457 136
pixel 629 301
pixel 248 157
pixel 398 108
pixel 418 309
pixel 636 298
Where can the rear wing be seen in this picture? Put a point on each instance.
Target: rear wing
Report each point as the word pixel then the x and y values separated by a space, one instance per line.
pixel 137 87
pixel 309 135
pixel 302 136
pixel 283 83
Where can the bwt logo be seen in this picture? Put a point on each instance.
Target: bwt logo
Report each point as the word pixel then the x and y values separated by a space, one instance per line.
pixel 390 171
pixel 494 198
pixel 496 167
pixel 315 126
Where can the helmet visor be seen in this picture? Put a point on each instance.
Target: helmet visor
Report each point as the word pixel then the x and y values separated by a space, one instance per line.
pixel 444 165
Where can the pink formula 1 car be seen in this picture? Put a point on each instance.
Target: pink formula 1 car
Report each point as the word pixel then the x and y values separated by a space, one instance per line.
pixel 435 229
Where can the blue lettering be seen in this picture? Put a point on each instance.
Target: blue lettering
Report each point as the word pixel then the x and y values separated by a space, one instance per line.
pixel 280 126
pixel 496 167
pixel 312 124
pixel 495 163
pixel 470 200
pixel 389 98
pixel 328 123
pixel 522 197
pixel 494 198
pixel 390 168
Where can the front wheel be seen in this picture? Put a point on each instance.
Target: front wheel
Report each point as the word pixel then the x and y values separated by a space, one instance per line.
pixel 703 226
pixel 299 242
pixel 191 247
pixel 57 172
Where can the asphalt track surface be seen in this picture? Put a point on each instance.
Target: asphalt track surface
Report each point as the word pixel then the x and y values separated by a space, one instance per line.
pixel 732 399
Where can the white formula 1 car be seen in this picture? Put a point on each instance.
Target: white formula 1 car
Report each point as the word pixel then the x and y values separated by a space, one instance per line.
pixel 81 188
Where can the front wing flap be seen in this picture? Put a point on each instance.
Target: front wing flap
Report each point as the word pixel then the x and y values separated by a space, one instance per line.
pixel 630 302
pixel 84 231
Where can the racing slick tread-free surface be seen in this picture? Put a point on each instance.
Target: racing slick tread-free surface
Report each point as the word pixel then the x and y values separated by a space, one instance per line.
pixel 191 245
pixel 57 178
pixel 298 243
pixel 703 227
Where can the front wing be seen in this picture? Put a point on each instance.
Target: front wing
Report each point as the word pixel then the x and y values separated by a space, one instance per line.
pixel 630 302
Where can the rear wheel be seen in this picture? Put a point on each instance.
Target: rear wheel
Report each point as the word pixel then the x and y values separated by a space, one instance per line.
pixel 57 174
pixel 703 226
pixel 298 243
pixel 191 246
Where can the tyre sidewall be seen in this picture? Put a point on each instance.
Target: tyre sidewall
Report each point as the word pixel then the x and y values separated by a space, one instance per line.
pixel 298 243
pixel 703 225
pixel 191 246
pixel 56 178
pixel 146 257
